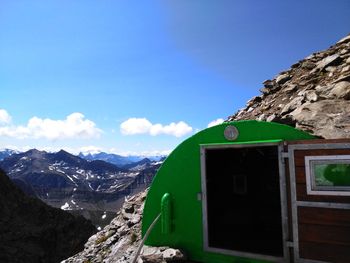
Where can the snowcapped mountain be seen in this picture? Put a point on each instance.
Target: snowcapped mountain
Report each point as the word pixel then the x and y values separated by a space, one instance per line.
pixel 110 157
pixel 116 159
pixel 6 153
pixel 72 183
pixel 63 170
pixel 141 165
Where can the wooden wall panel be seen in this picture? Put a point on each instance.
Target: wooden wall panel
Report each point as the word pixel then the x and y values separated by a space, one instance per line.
pixel 303 196
pixel 324 234
pixel 325 252
pixel 335 235
pixel 324 216
pixel 299 155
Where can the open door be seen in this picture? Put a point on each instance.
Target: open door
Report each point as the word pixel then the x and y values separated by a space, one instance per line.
pixel 319 172
pixel 242 206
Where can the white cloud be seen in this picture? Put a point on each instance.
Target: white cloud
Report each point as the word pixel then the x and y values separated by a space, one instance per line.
pixel 74 126
pixel 5 118
pixel 143 126
pixel 215 122
pixel 176 129
pixel 135 126
pixel 90 149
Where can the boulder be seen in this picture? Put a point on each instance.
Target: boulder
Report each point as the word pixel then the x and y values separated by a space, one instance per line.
pixel 281 79
pixel 341 90
pixel 161 254
pixel 325 118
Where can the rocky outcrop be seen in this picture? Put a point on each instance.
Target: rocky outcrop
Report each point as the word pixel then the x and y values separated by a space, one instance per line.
pixel 313 95
pixel 32 232
pixel 119 241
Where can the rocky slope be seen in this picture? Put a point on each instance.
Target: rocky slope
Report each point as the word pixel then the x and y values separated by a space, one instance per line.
pixel 118 242
pixel 313 95
pixel 31 231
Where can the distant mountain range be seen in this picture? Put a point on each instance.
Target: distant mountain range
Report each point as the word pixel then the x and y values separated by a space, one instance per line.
pixel 93 188
pixel 116 159
pixel 6 153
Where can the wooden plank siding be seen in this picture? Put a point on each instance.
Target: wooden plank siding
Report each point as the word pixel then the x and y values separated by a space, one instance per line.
pixel 324 216
pixel 325 252
pixel 324 234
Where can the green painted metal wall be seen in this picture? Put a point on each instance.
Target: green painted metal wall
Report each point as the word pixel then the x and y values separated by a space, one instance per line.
pixel 180 176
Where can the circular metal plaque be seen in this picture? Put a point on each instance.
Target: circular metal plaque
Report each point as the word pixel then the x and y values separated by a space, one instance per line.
pixel 231 133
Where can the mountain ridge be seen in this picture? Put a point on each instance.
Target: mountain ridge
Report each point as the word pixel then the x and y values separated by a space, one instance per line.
pixel 95 189
pixel 31 231
pixel 6 153
pixel 116 159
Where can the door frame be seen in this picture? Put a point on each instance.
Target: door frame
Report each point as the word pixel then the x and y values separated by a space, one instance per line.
pixel 283 196
pixel 295 203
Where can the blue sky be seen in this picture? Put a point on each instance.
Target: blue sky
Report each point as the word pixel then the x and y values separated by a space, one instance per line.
pixel 142 76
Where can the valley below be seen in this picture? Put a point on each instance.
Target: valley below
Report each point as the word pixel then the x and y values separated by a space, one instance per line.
pixel 90 187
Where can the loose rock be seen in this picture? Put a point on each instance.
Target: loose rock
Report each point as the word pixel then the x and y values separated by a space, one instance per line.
pixel 313 95
pixel 118 241
pixel 328 61
pixel 341 90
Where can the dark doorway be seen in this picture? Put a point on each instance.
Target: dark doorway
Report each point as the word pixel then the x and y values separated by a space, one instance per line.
pixel 243 200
